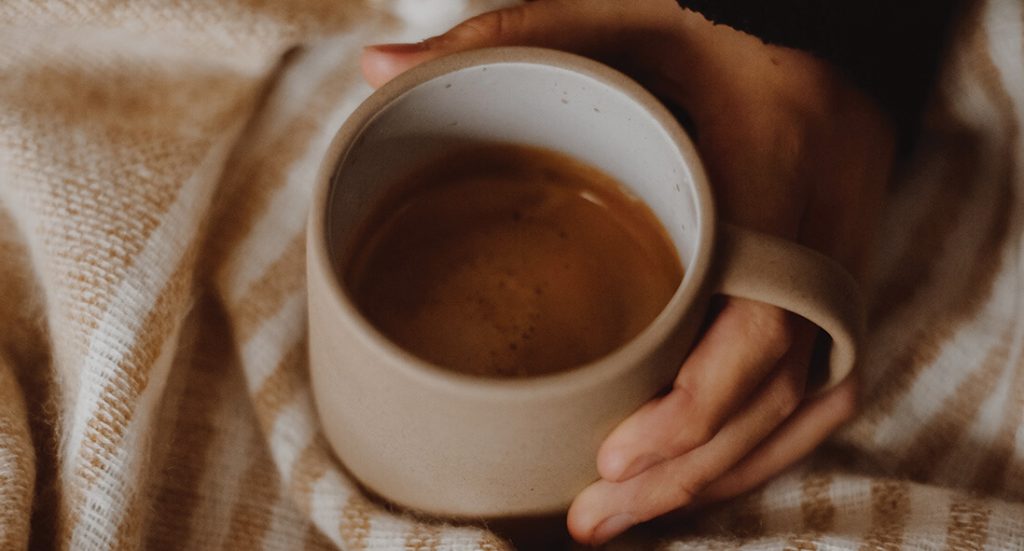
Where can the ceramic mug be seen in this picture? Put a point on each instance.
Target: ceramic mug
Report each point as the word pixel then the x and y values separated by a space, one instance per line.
pixel 459 445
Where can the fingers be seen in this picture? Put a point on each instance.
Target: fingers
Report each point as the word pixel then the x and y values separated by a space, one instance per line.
pixel 533 24
pixel 595 29
pixel 743 346
pixel 797 437
pixel 605 509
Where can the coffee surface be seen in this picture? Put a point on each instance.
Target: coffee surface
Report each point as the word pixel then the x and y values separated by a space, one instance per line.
pixel 508 261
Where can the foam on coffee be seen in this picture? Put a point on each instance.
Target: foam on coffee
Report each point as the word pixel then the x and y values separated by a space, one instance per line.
pixel 504 260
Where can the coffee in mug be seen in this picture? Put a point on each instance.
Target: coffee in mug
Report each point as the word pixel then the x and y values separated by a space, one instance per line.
pixel 505 260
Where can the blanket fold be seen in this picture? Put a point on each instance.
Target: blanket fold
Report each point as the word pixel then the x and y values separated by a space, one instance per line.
pixel 156 161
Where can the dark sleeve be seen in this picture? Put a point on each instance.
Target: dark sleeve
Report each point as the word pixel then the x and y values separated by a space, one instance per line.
pixel 891 48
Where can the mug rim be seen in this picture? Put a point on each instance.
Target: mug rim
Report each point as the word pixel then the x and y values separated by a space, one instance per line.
pixel 608 366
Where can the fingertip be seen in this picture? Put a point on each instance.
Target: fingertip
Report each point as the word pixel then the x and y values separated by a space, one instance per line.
pixel 374 67
pixel 611 462
pixel 590 524
pixel 618 464
pixel 582 519
pixel 639 465
pixel 579 531
pixel 611 527
pixel 618 458
pixel 383 62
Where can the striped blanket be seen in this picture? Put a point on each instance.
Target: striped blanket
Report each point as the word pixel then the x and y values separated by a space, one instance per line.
pixel 156 160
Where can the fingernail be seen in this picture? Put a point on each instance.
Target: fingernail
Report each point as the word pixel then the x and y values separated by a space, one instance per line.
pixel 611 527
pixel 399 48
pixel 640 464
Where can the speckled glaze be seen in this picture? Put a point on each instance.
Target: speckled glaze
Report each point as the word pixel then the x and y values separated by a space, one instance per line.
pixel 456 445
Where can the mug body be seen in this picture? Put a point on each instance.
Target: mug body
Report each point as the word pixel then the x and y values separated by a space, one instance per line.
pixel 458 445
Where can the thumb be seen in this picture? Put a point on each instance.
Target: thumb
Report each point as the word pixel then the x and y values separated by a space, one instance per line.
pixel 579 27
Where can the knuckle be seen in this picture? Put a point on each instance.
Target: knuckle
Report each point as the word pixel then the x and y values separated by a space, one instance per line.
pixel 672 494
pixel 496 26
pixel 771 327
pixel 787 397
pixel 696 434
pixel 791 139
pixel 684 391
pixel 688 490
pixel 685 497
pixel 696 428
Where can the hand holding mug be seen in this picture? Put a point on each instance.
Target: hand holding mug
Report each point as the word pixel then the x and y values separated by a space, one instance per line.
pixel 791 150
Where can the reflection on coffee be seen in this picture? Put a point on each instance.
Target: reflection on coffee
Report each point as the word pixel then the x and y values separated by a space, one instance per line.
pixel 511 261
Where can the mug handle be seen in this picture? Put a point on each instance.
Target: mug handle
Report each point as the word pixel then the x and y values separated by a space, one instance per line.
pixel 782 273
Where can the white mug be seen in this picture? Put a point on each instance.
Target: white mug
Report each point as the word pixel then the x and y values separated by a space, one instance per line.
pixel 447 443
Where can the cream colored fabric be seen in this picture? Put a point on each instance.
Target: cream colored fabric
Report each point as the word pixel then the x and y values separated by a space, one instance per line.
pixel 155 167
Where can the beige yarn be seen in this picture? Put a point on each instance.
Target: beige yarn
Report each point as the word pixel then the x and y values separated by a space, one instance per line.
pixel 156 160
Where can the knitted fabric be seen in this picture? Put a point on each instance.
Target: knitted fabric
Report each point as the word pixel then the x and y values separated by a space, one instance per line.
pixel 156 161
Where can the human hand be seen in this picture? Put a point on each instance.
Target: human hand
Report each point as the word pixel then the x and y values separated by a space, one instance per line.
pixel 791 149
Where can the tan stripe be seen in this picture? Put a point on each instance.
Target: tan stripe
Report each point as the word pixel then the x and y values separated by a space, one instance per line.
pixel 105 429
pixel 253 181
pixel 422 537
pixel 316 541
pixel 17 463
pixel 133 518
pixel 802 542
pixel 285 277
pixel 991 474
pixel 936 438
pixel 491 542
pixel 26 343
pixel 124 201
pixel 251 515
pixel 989 76
pixel 287 379
pixel 1014 478
pixel 669 542
pixel 311 464
pixel 747 518
pixel 195 426
pixel 967 526
pixel 131 210
pixel 816 509
pixel 984 266
pixel 924 348
pixel 958 186
pixel 920 261
pixel 993 468
pixel 720 545
pixel 125 104
pixel 890 507
pixel 354 524
pixel 815 503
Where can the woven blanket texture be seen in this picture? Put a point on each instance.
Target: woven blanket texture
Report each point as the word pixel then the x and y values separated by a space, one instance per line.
pixel 156 163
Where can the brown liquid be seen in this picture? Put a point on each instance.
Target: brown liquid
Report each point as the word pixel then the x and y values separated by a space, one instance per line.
pixel 512 261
